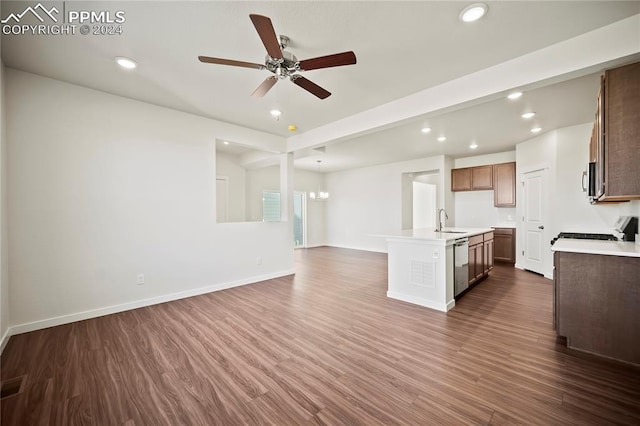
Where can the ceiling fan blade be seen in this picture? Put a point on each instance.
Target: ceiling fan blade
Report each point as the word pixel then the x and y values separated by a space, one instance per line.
pixel 265 87
pixel 310 86
pixel 219 61
pixel 267 34
pixel 335 60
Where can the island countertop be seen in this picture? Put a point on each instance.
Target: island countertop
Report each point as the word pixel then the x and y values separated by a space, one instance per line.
pixel 427 234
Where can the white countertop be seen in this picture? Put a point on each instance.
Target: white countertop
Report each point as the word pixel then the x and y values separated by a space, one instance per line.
pixel 447 234
pixel 505 225
pixel 609 248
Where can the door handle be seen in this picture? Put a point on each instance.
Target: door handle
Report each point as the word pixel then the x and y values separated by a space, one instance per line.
pixel 540 227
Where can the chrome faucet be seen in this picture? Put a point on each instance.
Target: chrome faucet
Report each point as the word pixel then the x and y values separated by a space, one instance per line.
pixel 446 216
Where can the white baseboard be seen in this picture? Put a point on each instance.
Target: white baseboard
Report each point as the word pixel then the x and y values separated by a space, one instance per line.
pixel 94 313
pixel 356 248
pixel 443 307
pixel 5 339
pixel 550 277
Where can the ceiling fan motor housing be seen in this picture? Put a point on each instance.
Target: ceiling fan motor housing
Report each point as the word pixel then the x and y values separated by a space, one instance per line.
pixel 284 67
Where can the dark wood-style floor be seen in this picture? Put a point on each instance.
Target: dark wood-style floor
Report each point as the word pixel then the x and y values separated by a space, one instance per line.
pixel 323 347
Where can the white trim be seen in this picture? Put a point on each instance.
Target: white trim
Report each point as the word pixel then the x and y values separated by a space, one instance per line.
pixel 5 339
pixel 94 313
pixel 442 307
pixel 314 246
pixel 535 168
pixel 355 248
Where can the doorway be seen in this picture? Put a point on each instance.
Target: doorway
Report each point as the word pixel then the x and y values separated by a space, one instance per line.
pixel 424 205
pixel 536 252
pixel 420 199
pixel 299 219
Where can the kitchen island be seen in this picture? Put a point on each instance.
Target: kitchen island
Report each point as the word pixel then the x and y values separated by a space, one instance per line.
pixel 421 265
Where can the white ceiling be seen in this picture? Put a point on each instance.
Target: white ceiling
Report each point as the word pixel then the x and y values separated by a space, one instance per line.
pixel 402 48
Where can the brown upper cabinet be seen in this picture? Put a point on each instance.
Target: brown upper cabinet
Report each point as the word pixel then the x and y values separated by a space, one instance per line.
pixel 499 177
pixel 461 179
pixel 472 178
pixel 504 185
pixel 482 177
pixel 615 141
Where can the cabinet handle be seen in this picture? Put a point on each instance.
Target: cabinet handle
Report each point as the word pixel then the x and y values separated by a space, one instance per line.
pixel 540 227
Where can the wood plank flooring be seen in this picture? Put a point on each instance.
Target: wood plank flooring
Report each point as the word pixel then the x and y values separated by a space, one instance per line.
pixel 325 346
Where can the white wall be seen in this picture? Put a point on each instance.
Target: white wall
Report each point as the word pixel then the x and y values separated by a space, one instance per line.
pixel 229 166
pixel 369 201
pixel 566 153
pixel 102 188
pixel 4 240
pixel 259 180
pixel 475 208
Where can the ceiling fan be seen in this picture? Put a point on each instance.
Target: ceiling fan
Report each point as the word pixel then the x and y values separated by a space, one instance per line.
pixel 284 64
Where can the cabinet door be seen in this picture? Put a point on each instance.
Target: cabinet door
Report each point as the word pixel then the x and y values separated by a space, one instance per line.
pixel 503 246
pixel 622 133
pixel 479 261
pixel 504 185
pixel 482 177
pixel 472 264
pixel 461 179
pixel 488 256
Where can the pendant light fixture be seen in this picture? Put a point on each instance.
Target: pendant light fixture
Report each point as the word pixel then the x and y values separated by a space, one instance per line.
pixel 319 195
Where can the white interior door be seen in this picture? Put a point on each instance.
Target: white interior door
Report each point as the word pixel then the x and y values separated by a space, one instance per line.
pixel 222 199
pixel 535 235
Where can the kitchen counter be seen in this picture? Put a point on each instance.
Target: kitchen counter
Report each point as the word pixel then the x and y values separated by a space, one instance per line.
pixel 607 248
pixel 446 237
pixel 506 225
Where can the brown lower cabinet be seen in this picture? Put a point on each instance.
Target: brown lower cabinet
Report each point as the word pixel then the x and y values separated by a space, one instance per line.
pixel 596 304
pixel 480 256
pixel 505 245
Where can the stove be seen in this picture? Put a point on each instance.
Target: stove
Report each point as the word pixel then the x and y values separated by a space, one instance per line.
pixel 585 236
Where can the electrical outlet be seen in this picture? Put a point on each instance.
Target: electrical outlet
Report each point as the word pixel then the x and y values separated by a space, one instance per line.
pixel 259 260
pixel 140 279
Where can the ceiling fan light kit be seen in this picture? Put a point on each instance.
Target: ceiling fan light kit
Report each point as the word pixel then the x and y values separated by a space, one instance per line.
pixel 284 64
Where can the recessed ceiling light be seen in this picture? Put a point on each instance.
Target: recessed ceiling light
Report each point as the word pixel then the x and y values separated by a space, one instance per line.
pixel 275 112
pixel 126 62
pixel 225 142
pixel 536 130
pixel 442 139
pixel 514 95
pixel 473 12
pixel 528 115
pixel 473 145
pixel 425 130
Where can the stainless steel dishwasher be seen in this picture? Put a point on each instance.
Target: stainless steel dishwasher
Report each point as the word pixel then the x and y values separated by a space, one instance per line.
pixel 460 265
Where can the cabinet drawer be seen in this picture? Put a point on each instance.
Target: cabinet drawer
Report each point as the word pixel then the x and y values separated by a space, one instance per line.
pixel 503 231
pixel 488 236
pixel 476 239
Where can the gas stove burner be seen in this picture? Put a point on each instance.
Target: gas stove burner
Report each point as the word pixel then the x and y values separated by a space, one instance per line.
pixel 585 236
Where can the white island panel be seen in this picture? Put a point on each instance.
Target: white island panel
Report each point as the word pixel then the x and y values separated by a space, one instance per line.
pixel 421 272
